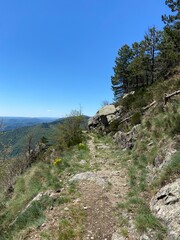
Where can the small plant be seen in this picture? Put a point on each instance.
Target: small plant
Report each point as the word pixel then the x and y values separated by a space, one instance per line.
pixel 81 146
pixel 57 162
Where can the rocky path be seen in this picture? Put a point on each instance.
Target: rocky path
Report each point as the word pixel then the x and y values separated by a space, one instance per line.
pixel 101 199
pixel 99 191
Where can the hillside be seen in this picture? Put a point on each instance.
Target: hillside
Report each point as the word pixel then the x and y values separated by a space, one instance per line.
pixel 11 123
pixel 115 178
pixel 120 182
pixel 16 140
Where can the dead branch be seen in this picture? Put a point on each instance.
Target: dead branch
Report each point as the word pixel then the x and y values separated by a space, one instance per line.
pixel 149 106
pixel 168 96
pixel 126 119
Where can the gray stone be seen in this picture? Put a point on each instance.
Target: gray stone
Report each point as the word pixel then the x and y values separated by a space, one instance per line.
pixel 107 110
pixel 116 236
pixel 166 206
pixel 104 117
pixel 90 176
pixel 82 162
pixel 126 140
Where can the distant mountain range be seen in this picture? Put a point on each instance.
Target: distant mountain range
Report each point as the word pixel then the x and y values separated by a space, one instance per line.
pixel 16 131
pixel 11 123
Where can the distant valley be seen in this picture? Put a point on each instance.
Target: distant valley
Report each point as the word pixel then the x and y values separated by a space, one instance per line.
pixel 11 123
pixel 16 131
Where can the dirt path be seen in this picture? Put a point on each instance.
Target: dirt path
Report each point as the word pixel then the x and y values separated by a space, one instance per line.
pixel 99 191
pixel 101 202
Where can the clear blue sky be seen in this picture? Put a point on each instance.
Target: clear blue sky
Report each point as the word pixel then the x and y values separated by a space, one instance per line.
pixel 58 55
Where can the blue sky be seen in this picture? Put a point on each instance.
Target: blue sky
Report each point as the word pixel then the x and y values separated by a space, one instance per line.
pixel 58 55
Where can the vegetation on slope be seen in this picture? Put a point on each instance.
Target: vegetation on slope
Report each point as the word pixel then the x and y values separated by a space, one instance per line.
pixel 152 59
pixel 16 219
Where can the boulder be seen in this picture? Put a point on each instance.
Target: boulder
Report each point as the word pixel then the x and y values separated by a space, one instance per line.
pixel 90 176
pixel 104 117
pixel 107 110
pixel 165 205
pixel 126 140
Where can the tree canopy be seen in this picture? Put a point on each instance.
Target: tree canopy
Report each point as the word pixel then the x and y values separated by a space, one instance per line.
pixel 143 63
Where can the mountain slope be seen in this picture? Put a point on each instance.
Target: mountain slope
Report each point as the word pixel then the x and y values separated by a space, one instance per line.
pixel 11 123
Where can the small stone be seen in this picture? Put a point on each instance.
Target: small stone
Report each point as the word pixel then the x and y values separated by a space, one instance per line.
pixel 43 225
pixel 51 208
pixel 66 209
pixel 77 200
pixel 85 208
pixel 83 162
pixel 116 236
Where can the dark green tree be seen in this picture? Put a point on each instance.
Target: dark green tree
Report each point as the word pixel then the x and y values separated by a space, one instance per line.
pixel 170 47
pixel 120 79
pixel 152 40
pixel 139 65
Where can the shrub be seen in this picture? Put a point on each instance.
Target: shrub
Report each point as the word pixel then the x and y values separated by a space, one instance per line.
pixel 82 146
pixel 176 127
pixel 70 131
pixel 136 118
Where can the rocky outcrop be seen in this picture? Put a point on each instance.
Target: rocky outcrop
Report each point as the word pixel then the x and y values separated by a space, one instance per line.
pixel 104 117
pixel 166 206
pixel 126 140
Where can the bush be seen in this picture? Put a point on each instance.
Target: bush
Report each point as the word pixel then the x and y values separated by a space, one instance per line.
pixel 176 127
pixel 136 118
pixel 70 131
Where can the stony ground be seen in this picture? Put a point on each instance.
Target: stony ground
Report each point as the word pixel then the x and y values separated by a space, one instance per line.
pixel 99 191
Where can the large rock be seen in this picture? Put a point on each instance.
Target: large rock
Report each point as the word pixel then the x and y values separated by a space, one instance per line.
pixel 104 117
pixel 126 140
pixel 107 110
pixel 166 206
pixel 90 176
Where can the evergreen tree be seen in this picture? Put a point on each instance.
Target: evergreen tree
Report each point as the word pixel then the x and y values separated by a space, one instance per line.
pixel 152 40
pixel 120 79
pixel 170 47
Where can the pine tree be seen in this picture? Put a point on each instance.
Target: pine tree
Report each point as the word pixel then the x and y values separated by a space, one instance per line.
pixel 152 40
pixel 120 79
pixel 170 47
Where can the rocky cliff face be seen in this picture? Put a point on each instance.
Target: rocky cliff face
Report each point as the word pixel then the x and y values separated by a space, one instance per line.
pixel 166 206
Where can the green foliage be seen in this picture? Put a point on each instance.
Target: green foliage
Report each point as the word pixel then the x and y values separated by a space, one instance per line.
pixel 176 125
pixel 72 229
pixel 82 146
pixel 33 214
pixel 152 59
pixel 171 171
pixel 144 220
pixel 136 118
pixel 36 179
pixel 70 131
pixel 137 101
pixel 17 139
